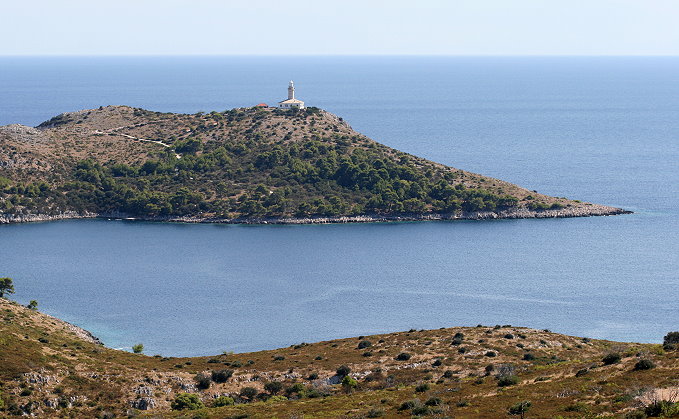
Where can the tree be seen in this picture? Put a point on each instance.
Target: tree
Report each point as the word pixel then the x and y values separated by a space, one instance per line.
pixel 343 371
pixel 6 286
pixel 221 376
pixel 203 380
pixel 348 384
pixel 671 340
pixel 519 409
pixel 33 305
pixel 186 401
pixel 273 387
pixel 249 393
pixel 138 348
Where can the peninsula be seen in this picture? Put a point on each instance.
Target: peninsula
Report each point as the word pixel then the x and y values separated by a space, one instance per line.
pixel 246 165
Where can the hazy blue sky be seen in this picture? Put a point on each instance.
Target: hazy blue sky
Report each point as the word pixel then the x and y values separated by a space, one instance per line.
pixel 522 27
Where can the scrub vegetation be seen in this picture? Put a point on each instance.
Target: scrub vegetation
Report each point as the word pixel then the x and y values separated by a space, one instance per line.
pixel 51 369
pixel 242 164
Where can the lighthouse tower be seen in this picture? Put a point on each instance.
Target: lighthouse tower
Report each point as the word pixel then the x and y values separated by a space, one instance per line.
pixel 291 102
pixel 291 90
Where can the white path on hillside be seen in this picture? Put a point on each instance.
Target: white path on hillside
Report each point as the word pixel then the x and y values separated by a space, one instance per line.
pixel 113 130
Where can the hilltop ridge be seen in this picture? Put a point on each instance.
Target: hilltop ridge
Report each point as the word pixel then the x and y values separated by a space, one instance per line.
pixel 51 369
pixel 247 165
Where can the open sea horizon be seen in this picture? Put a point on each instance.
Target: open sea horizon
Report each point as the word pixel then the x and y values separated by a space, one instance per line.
pixel 598 129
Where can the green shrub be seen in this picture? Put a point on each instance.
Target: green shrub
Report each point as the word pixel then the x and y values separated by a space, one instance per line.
pixel 221 376
pixel 223 401
pixel 248 392
pixel 421 388
pixel 577 407
pixel 297 388
pixel 610 359
pixel 644 364
pixel 375 413
pixel 508 380
pixel 403 356
pixel 138 348
pixel 491 354
pixel 343 371
pixel 273 387
pixel 434 401
pixel 519 409
pixel 421 410
pixel 364 344
pixel 409 405
pixel 348 383
pixel 186 401
pixel 663 409
pixel 528 357
pixel 203 380
pixel 671 341
pixel 436 363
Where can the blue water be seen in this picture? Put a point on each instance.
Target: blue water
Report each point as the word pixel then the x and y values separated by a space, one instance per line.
pixel 604 130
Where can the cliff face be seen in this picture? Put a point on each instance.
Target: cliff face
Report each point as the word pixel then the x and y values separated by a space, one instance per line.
pixel 242 165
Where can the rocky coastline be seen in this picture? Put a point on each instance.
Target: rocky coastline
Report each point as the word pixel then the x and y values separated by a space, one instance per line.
pixel 585 210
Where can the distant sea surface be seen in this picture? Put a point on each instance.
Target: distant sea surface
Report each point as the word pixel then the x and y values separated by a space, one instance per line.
pixel 603 130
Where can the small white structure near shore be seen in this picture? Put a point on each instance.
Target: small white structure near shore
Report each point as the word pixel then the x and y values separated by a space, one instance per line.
pixel 291 102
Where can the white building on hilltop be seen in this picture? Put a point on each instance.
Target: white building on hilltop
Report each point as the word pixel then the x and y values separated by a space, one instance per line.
pixel 291 102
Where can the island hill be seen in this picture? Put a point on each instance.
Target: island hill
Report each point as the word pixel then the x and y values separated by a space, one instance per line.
pixel 49 368
pixel 247 165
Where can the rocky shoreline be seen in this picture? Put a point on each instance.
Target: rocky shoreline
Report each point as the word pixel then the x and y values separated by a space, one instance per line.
pixel 585 210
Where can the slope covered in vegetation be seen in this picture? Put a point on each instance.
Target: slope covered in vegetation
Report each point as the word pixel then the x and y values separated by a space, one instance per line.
pixel 243 164
pixel 52 369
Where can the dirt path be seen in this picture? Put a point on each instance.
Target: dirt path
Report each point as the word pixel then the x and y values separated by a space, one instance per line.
pixel 131 137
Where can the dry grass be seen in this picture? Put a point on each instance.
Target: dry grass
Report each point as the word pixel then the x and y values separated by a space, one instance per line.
pixel 43 354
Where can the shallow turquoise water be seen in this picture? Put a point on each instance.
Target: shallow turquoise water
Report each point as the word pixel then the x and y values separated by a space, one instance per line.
pixel 603 130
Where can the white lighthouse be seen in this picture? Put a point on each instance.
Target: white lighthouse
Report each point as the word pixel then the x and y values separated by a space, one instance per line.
pixel 291 102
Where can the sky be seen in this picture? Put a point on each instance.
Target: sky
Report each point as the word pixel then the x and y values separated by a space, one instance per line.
pixel 339 27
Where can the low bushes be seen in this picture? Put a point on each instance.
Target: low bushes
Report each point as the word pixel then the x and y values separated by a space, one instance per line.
pixel 403 356
pixel 611 359
pixel 186 401
pixel 221 376
pixel 364 344
pixel 508 380
pixel 644 364
pixel 223 401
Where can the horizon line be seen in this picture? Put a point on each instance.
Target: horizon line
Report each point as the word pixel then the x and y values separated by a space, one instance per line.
pixel 334 55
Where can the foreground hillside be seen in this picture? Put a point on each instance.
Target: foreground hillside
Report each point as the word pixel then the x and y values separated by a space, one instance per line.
pixel 52 369
pixel 243 165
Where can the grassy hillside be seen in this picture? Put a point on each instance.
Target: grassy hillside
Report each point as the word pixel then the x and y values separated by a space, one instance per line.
pixel 243 164
pixel 51 369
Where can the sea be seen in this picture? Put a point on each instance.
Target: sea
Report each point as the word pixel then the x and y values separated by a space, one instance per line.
pixel 597 129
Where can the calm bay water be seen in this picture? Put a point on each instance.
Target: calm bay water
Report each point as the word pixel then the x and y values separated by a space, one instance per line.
pixel 604 130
